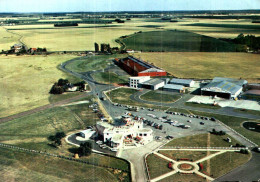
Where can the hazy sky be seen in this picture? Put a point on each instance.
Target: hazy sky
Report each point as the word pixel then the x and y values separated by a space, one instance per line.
pixel 123 5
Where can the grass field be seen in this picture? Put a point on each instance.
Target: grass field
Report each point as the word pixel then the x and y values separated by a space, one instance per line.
pixel 160 97
pixel 83 37
pixel 93 63
pixel 254 112
pixel 208 106
pixel 122 96
pixel 184 177
pixel 20 166
pixel 33 130
pixel 223 163
pixel 201 140
pixel 192 155
pixel 176 41
pixel 157 166
pixel 109 78
pixel 7 39
pixel 207 65
pixel 27 81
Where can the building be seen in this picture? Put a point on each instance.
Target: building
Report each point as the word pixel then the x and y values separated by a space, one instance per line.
pixel 184 82
pixel 131 132
pixel 135 81
pixel 153 84
pixel 86 134
pixel 137 67
pixel 173 87
pixel 224 87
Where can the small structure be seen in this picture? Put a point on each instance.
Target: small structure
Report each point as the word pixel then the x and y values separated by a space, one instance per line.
pixel 17 48
pixel 86 134
pixel 173 87
pixel 153 84
pixel 135 81
pixel 184 82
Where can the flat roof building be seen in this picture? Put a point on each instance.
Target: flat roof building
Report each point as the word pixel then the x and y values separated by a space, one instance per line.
pixel 226 87
pixel 184 82
pixel 135 81
pixel 173 87
pixel 153 84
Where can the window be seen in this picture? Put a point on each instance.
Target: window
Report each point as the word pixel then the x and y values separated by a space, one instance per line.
pixel 140 134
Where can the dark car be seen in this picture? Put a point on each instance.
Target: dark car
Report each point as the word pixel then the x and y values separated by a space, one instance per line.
pixel 202 123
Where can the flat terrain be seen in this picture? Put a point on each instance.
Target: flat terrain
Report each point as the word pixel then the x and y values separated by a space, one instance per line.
pixel 206 65
pixel 175 41
pixel 202 140
pixel 159 97
pixel 84 36
pixel 27 81
pixel 7 39
pixel 109 78
pixel 223 163
pixel 20 166
pixel 184 177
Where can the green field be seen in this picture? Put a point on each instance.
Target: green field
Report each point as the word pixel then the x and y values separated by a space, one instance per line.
pixel 160 97
pixel 206 65
pixel 92 63
pixel 21 166
pixel 176 41
pixel 202 140
pixel 184 177
pixel 122 96
pixel 27 81
pixel 157 166
pixel 254 112
pixel 33 130
pixel 109 78
pixel 223 163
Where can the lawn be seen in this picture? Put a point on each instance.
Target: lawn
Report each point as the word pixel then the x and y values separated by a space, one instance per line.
pixel 160 97
pixel 122 96
pixel 208 106
pixel 176 41
pixel 193 155
pixel 201 140
pixel 202 65
pixel 109 78
pixel 21 166
pixel 184 177
pixel 157 166
pixel 27 81
pixel 223 163
pixel 33 130
pixel 92 63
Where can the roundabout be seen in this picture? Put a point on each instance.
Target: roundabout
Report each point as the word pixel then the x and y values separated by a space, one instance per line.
pixel 252 126
pixel 185 167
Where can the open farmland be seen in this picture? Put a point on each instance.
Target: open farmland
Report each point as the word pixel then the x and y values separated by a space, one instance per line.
pixel 84 36
pixel 27 81
pixel 7 39
pixel 200 65
pixel 176 41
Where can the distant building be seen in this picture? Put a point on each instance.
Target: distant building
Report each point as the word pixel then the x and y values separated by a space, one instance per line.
pixel 137 67
pixel 17 48
pixel 184 82
pixel 153 84
pixel 173 87
pixel 135 81
pixel 86 134
pixel 224 87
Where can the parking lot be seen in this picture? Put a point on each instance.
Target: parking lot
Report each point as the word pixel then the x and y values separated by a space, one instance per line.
pixel 173 124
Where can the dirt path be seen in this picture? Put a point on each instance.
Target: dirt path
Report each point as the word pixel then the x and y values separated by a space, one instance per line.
pixel 48 106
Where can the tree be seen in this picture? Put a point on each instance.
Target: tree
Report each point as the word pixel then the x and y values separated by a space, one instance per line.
pixel 62 82
pixel 96 47
pixel 85 149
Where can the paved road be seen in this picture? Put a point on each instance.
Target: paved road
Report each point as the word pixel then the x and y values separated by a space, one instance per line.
pixel 246 173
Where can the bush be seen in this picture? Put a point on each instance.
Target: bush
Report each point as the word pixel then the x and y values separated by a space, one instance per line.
pixel 85 149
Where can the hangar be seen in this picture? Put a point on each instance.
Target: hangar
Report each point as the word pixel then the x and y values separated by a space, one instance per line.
pixel 137 67
pixel 153 84
pixel 224 87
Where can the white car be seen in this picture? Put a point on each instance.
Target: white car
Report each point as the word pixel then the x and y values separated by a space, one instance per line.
pixel 113 149
pixel 189 121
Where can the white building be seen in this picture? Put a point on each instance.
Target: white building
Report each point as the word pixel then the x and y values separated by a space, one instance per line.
pixel 131 131
pixel 86 134
pixel 153 84
pixel 184 82
pixel 135 81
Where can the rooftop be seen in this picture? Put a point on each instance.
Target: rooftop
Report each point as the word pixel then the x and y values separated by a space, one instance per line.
pixel 174 86
pixel 181 81
pixel 222 86
pixel 153 81
pixel 152 70
pixel 231 80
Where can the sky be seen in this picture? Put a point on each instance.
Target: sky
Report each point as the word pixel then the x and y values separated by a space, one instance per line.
pixel 124 5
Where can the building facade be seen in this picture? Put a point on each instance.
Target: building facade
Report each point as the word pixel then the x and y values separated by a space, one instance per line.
pixel 134 82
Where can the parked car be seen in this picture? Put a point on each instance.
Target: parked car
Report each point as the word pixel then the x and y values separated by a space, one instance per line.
pixel 169 137
pixel 202 123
